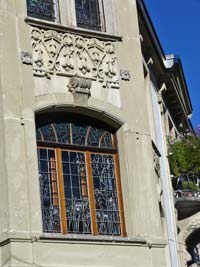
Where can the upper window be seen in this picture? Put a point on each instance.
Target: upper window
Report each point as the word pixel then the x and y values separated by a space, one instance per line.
pixel 42 9
pixel 79 179
pixel 88 14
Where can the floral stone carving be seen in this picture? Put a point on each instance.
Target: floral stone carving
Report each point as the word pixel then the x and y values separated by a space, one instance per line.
pixel 65 54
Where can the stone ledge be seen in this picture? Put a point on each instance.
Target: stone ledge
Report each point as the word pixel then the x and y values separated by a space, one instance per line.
pixel 67 29
pixel 88 239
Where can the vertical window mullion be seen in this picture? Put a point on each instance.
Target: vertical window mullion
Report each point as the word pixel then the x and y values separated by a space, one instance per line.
pixel 119 195
pixel 91 194
pixel 61 190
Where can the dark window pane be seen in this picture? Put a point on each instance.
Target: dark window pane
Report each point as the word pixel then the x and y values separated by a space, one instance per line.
pixel 79 133
pixel 48 133
pixel 63 132
pixel 42 153
pixel 65 156
pixel 106 140
pixel 94 137
pixel 38 135
pixel 41 9
pixel 66 169
pixel 87 14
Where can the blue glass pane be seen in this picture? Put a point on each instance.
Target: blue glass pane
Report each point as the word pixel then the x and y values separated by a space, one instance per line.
pixel 38 135
pixel 48 133
pixel 63 132
pixel 106 141
pixel 87 14
pixel 94 137
pixel 79 134
pixel 41 9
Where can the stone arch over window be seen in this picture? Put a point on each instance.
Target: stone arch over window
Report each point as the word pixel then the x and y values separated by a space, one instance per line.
pixel 79 175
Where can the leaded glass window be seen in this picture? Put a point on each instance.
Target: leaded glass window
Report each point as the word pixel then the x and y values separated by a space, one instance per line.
pixel 42 9
pixel 79 179
pixel 88 14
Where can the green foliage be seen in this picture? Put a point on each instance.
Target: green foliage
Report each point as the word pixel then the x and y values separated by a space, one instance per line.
pixel 190 186
pixel 184 156
pixel 185 185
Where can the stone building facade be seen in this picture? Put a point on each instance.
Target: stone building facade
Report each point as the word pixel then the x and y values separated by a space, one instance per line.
pixel 87 97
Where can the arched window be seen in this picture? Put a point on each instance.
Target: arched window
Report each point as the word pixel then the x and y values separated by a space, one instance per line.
pixel 79 178
pixel 88 14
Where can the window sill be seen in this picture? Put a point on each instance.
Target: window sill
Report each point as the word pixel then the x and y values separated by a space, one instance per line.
pixel 77 238
pixel 74 30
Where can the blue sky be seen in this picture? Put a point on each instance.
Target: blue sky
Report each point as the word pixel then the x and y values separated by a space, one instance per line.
pixel 177 23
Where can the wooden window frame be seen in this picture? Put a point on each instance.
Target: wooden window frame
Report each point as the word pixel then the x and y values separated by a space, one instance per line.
pixel 59 193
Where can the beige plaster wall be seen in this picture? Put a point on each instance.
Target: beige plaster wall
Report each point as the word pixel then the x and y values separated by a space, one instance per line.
pixel 21 96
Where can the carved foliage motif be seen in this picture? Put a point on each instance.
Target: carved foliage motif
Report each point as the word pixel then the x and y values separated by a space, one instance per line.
pixel 71 55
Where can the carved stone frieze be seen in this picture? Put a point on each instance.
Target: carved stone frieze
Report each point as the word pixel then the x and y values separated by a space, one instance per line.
pixel 65 54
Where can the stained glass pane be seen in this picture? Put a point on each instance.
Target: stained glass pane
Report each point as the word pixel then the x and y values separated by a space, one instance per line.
pixel 94 136
pixel 63 132
pixel 48 133
pixel 107 212
pixel 106 140
pixel 76 192
pixel 38 135
pixel 49 190
pixel 87 14
pixel 79 132
pixel 41 9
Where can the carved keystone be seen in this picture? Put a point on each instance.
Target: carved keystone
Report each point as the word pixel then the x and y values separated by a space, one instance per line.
pixel 80 85
pixel 80 88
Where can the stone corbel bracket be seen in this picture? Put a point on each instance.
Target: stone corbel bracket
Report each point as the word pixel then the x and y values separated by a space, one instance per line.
pixel 80 88
pixel 80 85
